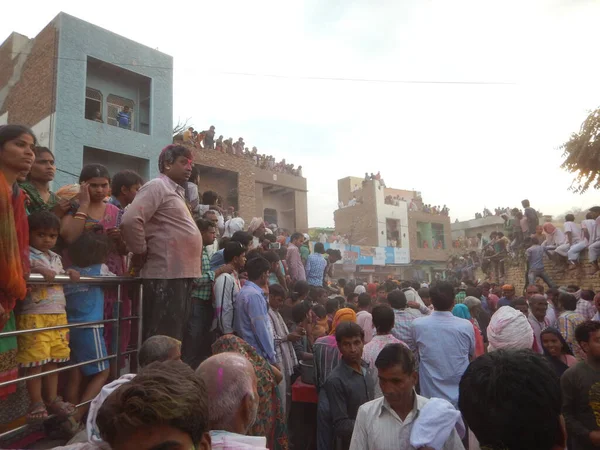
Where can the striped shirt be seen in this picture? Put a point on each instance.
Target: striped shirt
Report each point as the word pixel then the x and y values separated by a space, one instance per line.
pixel 326 356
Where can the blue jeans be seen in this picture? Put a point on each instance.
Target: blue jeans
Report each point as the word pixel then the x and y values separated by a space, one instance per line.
pixel 533 274
pixel 324 423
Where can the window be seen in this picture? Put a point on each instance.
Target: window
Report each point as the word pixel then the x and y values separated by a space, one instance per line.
pixel 93 104
pixel 393 233
pixel 116 105
pixel 270 215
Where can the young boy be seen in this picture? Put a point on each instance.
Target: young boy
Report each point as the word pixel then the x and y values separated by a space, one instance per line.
pixel 226 288
pixel 535 260
pixel 580 385
pixel 44 307
pixel 124 187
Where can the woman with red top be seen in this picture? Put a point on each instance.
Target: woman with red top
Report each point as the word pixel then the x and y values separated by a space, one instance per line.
pixel 16 158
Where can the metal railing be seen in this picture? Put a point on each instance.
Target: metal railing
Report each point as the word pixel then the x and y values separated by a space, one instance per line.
pixel 36 279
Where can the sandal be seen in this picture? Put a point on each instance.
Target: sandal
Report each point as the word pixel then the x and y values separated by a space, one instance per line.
pixel 61 408
pixel 37 413
pixel 71 426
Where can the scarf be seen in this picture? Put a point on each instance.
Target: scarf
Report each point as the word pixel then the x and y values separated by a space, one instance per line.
pixel 461 310
pixel 288 355
pixel 14 245
pixel 342 315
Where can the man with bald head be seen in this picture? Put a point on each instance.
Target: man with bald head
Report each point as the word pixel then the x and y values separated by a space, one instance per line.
pixel 538 306
pixel 232 401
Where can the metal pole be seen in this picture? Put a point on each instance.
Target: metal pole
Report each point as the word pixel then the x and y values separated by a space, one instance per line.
pixel 117 333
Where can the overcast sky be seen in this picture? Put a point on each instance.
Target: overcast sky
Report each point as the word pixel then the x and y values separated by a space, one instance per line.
pixel 464 145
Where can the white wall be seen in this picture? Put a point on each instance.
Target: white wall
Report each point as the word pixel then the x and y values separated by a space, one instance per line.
pixel 4 119
pixel 43 132
pixel 391 212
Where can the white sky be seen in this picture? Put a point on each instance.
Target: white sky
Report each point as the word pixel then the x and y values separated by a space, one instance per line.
pixel 467 146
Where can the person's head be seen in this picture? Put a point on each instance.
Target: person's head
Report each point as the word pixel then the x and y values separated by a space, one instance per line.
pixel 397 299
pixel 231 385
pixel 567 302
pixel 485 289
pixel 383 319
pixel 520 304
pixel 350 341
pixel 126 108
pixel 473 303
pixel 397 375
pixel 16 149
pixel 98 180
pixel 243 238
pixel 552 296
pixel 319 248
pixel 159 348
pixel 539 306
pixel 342 283
pixel 319 295
pixel 208 231
pixel 512 400
pixel 257 227
pixel 44 228
pixel 276 296
pixel 587 294
pixel 553 343
pixel 442 296
pixel 89 249
pixel 569 218
pixel 508 291
pixel 43 168
pixel 125 185
pixel 425 295
pixel 342 315
pixel 525 203
pixel 508 329
pixel 531 290
pixel 381 293
pixel 300 312
pixel 461 310
pixel 297 239
pixel 364 302
pixel 587 335
pixel 210 198
pixel 164 406
pixel 320 311
pixel 334 255
pixel 332 305
pixel 175 161
pixel 352 298
pixel 234 253
pixel 211 216
pixel 258 270
pixel 273 259
pixel 595 210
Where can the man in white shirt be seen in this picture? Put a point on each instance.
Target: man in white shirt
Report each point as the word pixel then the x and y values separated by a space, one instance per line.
pixel 575 241
pixel 386 423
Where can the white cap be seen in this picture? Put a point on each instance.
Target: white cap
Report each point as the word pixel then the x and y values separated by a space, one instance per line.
pixel 306 237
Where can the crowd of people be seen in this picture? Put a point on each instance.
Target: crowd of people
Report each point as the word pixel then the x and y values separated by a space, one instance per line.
pixel 487 213
pixel 231 312
pixel 206 140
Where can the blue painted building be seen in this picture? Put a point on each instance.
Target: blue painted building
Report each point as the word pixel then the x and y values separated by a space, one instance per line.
pixel 94 75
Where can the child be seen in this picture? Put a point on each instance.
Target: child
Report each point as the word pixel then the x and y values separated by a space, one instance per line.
pixel 85 303
pixel 43 307
pixel 535 260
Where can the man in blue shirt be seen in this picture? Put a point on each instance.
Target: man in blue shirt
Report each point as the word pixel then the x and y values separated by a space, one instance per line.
pixel 251 322
pixel 124 118
pixel 445 344
pixel 218 259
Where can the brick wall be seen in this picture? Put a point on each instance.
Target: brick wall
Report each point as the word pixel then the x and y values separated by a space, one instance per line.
pixel 516 270
pixel 33 96
pixel 359 222
pixel 7 62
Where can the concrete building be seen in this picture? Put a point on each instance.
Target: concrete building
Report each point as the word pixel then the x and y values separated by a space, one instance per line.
pixel 470 228
pixel 71 81
pixel 254 192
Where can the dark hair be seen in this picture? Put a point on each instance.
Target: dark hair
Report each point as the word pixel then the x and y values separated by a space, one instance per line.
pixel 242 237
pixel 396 355
pixel 348 330
pixel 383 318
pixel 12 132
pixel 473 292
pixel 351 296
pixel 319 248
pixel 209 197
pixel 231 250
pixel 567 301
pixel 512 400
pixel 381 287
pixel 224 241
pixel 442 296
pixel 163 393
pixel 88 249
pixel 587 294
pixel 276 290
pixel 519 301
pixel 569 218
pixel 300 289
pixel 271 256
pixel 256 267
pixel 299 312
pixel 90 171
pixel 41 150
pixel 295 236
pixel 335 253
pixel 342 282
pixel 332 305
pixel 169 155
pixel 43 220
pixel 124 179
pixel 319 311
pixel 204 224
pixel 397 299
pixel 585 329
pixel 364 300
pixel 194 174
pixel 269 237
pixel 525 203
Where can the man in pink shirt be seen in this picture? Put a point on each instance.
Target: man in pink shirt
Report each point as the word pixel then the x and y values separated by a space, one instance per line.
pixel 293 258
pixel 159 230
pixel 363 317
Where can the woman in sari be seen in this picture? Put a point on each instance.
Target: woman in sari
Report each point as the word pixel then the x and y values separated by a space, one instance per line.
pixel 270 419
pixel 461 310
pixel 556 350
pixel 16 159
